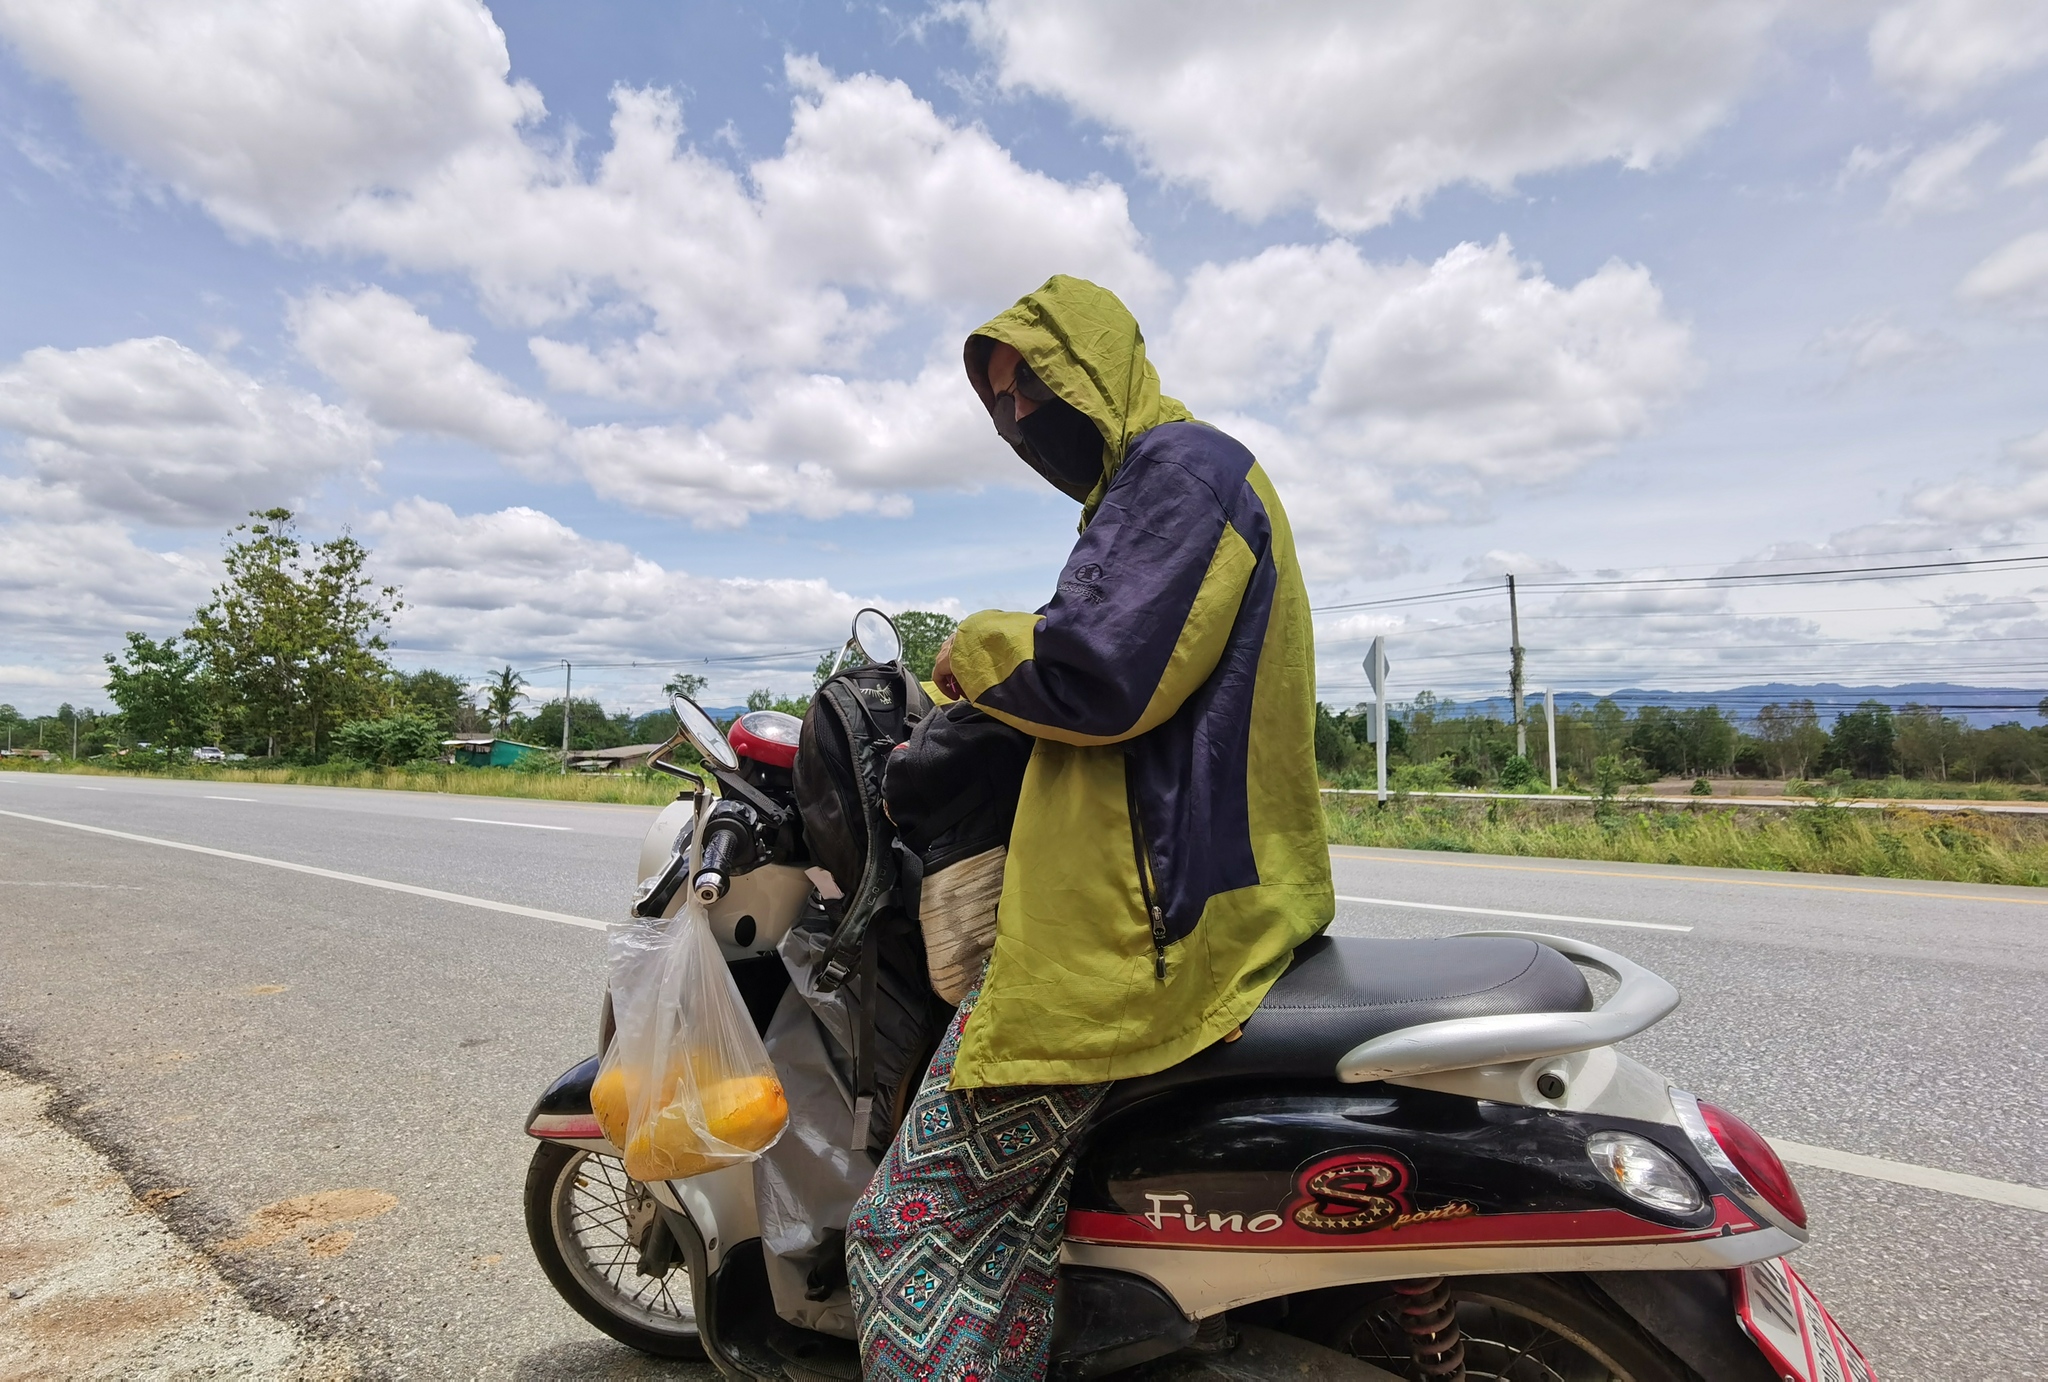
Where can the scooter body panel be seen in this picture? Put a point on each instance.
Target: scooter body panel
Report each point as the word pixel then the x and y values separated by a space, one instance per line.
pixel 1223 1195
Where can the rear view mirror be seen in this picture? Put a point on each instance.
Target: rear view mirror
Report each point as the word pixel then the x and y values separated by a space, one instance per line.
pixel 874 633
pixel 704 734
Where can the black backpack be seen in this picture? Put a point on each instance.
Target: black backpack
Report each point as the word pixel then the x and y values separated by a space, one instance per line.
pixel 856 719
pixel 869 935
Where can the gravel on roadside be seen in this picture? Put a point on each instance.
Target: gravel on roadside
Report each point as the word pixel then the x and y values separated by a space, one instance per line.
pixel 93 1284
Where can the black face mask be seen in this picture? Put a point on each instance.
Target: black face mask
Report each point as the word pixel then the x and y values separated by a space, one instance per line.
pixel 1058 441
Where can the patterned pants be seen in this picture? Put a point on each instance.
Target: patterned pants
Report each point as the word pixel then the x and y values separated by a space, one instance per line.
pixel 953 1250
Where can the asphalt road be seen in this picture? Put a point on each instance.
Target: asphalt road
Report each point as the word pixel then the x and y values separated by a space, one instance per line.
pixel 254 1035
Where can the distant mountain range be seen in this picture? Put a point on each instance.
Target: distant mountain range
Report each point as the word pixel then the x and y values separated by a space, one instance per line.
pixel 1979 705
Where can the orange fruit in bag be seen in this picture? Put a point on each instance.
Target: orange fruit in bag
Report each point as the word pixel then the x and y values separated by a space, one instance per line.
pixel 746 1112
pixel 666 1147
pixel 612 1094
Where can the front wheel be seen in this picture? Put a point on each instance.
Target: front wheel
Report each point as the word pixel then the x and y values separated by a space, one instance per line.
pixel 594 1229
pixel 1516 1329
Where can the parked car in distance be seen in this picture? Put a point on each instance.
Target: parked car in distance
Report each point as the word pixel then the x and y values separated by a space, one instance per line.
pixel 209 755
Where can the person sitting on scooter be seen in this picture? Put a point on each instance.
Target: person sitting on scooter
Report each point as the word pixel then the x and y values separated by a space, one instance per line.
pixel 1168 852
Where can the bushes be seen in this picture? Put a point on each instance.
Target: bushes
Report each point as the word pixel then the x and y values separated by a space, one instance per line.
pixel 1959 846
pixel 388 742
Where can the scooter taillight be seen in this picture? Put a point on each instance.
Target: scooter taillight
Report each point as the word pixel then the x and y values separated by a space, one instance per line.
pixel 1754 1158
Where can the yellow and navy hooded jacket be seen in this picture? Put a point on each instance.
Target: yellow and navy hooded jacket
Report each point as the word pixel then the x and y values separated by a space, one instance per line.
pixel 1169 851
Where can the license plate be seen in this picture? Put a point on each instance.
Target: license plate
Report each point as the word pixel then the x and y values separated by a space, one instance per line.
pixel 1797 1335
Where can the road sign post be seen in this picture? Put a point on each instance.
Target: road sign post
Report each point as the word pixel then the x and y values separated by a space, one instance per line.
pixel 1550 733
pixel 1376 673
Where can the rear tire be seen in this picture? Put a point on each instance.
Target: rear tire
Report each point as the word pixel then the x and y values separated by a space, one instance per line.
pixel 588 1221
pixel 1516 1328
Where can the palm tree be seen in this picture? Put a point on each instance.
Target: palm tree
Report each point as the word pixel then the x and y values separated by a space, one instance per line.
pixel 504 692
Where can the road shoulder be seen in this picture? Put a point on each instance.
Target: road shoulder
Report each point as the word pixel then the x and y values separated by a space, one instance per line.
pixel 93 1284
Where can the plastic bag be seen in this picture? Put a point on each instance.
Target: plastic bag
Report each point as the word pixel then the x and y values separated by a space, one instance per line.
pixel 686 1085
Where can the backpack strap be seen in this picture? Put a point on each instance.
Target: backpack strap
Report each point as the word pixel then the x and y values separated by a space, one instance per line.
pixel 869 741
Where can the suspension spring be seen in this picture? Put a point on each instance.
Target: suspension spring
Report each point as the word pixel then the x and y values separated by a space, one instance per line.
pixel 1430 1321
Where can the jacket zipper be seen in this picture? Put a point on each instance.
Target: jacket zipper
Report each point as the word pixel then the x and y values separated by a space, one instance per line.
pixel 1152 911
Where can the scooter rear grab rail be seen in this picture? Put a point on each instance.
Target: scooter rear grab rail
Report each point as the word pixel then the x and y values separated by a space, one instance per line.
pixel 1461 1043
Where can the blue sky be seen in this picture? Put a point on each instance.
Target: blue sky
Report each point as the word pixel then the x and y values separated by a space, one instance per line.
pixel 630 331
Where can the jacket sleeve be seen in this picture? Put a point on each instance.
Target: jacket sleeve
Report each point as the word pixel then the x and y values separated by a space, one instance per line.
pixel 1142 615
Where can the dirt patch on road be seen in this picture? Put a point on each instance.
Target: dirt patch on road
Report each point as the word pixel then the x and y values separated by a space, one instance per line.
pixel 94 1285
pixel 301 1214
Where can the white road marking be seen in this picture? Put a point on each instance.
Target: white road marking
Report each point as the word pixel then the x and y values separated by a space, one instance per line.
pixel 460 899
pixel 213 798
pixel 89 789
pixel 523 825
pixel 2002 1192
pixel 1498 912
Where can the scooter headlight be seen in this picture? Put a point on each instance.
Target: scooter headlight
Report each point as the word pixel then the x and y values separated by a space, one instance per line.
pixel 1645 1172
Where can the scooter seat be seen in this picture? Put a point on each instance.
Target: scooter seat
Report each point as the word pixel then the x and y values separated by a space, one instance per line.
pixel 1341 990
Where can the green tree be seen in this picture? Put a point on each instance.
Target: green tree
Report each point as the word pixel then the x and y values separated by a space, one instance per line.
pixel 764 699
pixel 1929 742
pixel 589 726
pixel 1863 740
pixel 923 632
pixel 1791 737
pixel 1334 743
pixel 442 698
pixel 294 636
pixel 685 686
pixel 502 694
pixel 162 692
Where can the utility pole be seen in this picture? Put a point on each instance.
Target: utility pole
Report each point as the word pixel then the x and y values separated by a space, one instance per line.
pixel 567 671
pixel 1550 733
pixel 1515 671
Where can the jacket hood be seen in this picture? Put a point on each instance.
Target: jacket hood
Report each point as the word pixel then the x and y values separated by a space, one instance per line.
pixel 1085 345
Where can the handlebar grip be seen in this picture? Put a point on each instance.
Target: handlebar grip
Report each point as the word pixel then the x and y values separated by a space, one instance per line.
pixel 714 875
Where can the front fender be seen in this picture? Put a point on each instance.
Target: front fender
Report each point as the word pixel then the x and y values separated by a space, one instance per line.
pixel 562 1113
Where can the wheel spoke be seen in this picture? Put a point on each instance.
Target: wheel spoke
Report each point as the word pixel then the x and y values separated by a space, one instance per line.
pixel 595 1208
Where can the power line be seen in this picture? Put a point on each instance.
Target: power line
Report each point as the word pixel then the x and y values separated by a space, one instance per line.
pixel 1840 575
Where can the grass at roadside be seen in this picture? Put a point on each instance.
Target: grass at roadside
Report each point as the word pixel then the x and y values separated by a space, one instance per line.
pixel 1955 847
pixel 626 788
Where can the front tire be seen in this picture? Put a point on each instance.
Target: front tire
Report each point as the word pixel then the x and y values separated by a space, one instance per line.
pixel 590 1224
pixel 1516 1328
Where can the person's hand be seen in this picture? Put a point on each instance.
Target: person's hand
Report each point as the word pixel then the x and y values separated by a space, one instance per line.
pixel 942 670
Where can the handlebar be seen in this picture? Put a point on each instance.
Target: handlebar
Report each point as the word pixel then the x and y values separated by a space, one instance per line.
pixel 722 849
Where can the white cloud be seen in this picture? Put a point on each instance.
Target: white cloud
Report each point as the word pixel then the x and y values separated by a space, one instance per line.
pixel 1362 111
pixel 1937 51
pixel 150 429
pixel 518 585
pixel 408 374
pixel 391 129
pixel 1475 361
pixel 872 192
pixel 276 116
pixel 817 445
pixel 2012 279
pixel 69 590
pixel 1876 345
pixel 1864 161
pixel 1401 392
pixel 1935 180
pixel 2032 169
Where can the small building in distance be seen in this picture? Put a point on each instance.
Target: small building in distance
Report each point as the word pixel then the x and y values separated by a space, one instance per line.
pixel 605 760
pixel 484 751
